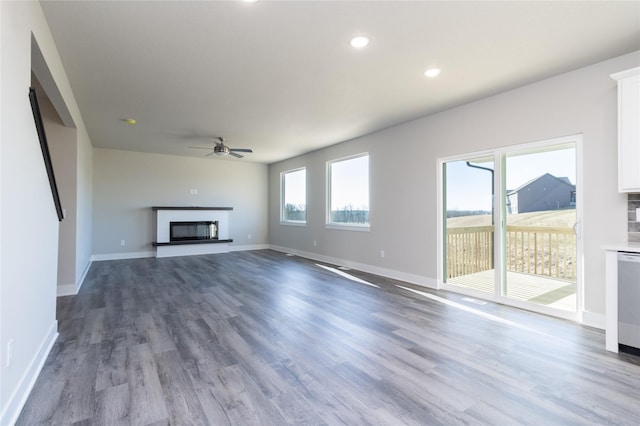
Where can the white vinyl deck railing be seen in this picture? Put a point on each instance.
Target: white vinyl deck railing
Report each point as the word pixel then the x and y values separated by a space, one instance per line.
pixel 547 251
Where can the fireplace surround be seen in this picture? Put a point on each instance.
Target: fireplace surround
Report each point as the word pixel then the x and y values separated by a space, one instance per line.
pixel 184 231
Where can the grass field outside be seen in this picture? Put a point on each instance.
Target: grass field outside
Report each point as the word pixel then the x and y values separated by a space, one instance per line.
pixel 552 218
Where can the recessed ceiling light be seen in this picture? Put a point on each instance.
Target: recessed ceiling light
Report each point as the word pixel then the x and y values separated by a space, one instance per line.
pixel 130 121
pixel 432 72
pixel 359 42
pixel 249 1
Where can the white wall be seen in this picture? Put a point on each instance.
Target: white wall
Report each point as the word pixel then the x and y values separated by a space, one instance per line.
pixel 62 146
pixel 84 205
pixel 403 172
pixel 128 184
pixel 71 155
pixel 28 221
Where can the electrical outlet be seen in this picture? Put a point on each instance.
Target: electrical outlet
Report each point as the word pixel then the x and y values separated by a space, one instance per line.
pixel 9 352
pixel 381 253
pixel 249 237
pixel 315 243
pixel 122 243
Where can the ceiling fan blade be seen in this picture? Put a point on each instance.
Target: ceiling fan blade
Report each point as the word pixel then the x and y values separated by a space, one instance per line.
pixel 240 149
pixel 200 147
pixel 235 155
pixel 211 153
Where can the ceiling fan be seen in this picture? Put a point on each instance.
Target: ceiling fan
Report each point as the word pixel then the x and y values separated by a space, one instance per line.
pixel 222 149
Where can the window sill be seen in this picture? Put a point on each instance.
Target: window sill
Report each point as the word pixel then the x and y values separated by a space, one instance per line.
pixel 292 223
pixel 345 227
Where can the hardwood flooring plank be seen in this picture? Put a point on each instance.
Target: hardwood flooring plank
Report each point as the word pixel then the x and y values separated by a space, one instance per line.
pixel 180 398
pixel 204 384
pixel 487 414
pixel 77 401
pixel 152 326
pixel 47 391
pixel 147 402
pixel 243 402
pixel 329 402
pixel 112 407
pixel 212 349
pixel 111 367
pixel 382 396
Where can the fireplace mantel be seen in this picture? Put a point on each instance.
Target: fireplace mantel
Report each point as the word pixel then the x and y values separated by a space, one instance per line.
pixel 167 214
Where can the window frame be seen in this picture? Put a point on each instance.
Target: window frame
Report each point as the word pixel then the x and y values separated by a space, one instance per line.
pixel 363 227
pixel 283 220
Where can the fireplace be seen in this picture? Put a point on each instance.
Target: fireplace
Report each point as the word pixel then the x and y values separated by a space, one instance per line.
pixel 188 231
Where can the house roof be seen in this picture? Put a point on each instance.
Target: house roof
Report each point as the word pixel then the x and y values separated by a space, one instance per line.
pixel 564 180
pixel 280 76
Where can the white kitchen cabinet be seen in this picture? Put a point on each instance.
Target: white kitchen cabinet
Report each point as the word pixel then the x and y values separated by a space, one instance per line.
pixel 628 129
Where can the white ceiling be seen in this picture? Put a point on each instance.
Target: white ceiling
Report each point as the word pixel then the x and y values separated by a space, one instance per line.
pixel 280 76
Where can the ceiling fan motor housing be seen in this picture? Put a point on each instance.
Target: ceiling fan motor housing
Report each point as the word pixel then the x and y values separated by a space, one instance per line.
pixel 221 149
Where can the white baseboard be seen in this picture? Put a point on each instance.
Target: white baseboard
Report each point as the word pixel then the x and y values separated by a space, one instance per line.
pixel 121 256
pixel 19 397
pixel 372 269
pixel 83 275
pixel 73 289
pixel 594 320
pixel 66 290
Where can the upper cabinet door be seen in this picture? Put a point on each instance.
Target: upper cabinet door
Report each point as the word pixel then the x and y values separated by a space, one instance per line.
pixel 628 130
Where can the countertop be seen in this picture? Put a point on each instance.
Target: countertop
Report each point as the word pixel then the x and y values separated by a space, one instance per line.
pixel 623 246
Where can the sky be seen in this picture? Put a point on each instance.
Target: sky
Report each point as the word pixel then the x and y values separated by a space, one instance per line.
pixel 352 190
pixel 295 183
pixel 470 189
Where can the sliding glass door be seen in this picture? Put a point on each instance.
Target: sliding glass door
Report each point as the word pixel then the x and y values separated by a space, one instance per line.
pixel 540 195
pixel 509 225
pixel 469 208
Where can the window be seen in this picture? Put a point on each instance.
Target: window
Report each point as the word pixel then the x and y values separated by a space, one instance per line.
pixel 294 196
pixel 348 192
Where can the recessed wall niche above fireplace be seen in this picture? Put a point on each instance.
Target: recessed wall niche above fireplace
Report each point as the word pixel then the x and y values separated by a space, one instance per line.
pixel 183 231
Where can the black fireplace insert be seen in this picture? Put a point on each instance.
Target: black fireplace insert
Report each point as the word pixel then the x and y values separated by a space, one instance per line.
pixel 187 231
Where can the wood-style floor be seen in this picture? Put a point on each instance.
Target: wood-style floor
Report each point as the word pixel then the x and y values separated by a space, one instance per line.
pixel 260 338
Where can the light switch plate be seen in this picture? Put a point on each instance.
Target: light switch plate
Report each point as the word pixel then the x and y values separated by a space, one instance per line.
pixel 638 214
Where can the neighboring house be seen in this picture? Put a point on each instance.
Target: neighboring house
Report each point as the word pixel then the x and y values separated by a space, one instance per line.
pixel 545 192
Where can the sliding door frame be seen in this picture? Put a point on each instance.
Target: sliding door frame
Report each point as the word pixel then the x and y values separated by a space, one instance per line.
pixel 499 219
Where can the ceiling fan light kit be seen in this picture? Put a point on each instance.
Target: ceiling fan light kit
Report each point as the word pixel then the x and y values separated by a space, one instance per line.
pixel 223 150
